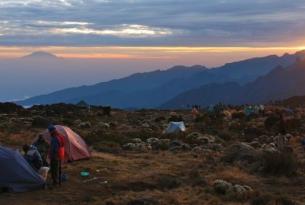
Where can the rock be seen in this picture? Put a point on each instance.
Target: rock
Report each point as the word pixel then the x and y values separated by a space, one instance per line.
pixel 84 125
pixel 265 139
pixel 201 139
pixel 129 146
pixel 155 143
pixel 193 135
pixel 239 192
pixel 255 144
pixel 206 139
pixel 140 147
pixel 269 148
pixel 113 124
pixel 177 145
pixel 136 140
pixel 145 125
pixel 201 150
pixel 216 147
pixel 153 140
pixel 103 125
pixel 77 122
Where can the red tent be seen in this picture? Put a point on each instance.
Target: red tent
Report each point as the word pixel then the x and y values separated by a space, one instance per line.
pixel 75 147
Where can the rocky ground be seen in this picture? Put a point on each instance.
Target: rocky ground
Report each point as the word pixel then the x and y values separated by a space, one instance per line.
pixel 224 157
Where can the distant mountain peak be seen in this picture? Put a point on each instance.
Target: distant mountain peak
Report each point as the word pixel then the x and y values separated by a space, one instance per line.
pixel 182 67
pixel 40 55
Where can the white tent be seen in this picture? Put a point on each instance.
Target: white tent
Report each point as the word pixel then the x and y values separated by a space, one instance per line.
pixel 175 127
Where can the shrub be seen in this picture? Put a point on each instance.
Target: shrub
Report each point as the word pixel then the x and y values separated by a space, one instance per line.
pixel 261 200
pixel 284 201
pixel 279 163
pixel 10 108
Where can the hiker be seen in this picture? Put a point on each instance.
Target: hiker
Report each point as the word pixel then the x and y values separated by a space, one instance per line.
pixel 57 154
pixel 195 112
pixel 32 156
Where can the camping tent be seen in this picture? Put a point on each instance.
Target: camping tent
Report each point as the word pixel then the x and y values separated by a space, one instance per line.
pixel 75 147
pixel 16 174
pixel 175 127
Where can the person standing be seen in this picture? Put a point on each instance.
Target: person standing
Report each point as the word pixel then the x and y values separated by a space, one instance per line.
pixel 61 155
pixel 54 155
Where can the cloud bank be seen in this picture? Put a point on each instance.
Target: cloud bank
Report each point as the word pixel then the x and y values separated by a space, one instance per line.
pixel 151 23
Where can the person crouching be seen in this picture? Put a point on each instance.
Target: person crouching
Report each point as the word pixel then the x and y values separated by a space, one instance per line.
pixel 32 156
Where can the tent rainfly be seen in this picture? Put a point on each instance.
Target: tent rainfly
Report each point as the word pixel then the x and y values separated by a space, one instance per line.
pixel 16 175
pixel 75 147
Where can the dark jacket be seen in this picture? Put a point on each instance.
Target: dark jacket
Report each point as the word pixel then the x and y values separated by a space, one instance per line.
pixel 54 147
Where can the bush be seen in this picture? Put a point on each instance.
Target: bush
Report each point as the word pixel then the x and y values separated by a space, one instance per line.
pixel 8 108
pixel 268 200
pixel 238 115
pixel 279 163
pixel 40 122
pixel 285 201
pixel 261 200
pixel 271 122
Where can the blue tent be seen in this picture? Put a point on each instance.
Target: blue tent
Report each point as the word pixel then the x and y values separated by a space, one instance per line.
pixel 16 174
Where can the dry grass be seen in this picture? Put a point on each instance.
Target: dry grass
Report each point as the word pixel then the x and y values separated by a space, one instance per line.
pixel 170 178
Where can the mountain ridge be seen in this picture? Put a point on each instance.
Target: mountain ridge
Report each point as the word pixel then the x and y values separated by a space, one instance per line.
pixel 152 89
pixel 279 84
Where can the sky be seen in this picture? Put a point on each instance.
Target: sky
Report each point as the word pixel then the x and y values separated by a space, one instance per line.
pixel 172 31
pixel 101 40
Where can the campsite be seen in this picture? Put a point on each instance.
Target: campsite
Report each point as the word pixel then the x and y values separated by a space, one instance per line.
pixel 229 155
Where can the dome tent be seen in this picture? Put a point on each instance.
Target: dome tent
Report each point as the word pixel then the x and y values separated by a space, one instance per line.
pixel 75 147
pixel 16 175
pixel 175 127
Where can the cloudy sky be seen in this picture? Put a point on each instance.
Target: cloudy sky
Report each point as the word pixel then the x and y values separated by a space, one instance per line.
pixel 99 40
pixel 152 29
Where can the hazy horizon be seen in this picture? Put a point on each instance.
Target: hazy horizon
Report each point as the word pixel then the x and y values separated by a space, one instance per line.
pixel 37 75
